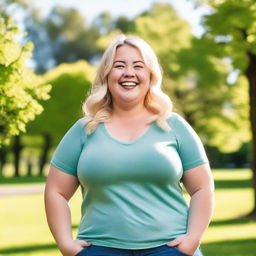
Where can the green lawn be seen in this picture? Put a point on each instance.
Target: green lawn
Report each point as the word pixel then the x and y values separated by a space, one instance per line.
pixel 23 228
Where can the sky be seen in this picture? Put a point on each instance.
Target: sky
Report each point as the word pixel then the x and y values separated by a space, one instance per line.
pixel 130 8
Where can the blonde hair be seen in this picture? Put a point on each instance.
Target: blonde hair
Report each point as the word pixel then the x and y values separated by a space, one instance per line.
pixel 97 107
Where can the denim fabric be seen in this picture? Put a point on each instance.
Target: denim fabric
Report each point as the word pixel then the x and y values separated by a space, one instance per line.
pixel 163 250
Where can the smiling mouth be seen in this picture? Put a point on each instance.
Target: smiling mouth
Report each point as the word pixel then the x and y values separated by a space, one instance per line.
pixel 128 85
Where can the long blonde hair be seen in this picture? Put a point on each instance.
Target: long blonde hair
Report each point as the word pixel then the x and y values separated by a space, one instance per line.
pixel 97 107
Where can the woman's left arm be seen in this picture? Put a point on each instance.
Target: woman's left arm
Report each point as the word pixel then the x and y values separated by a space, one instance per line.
pixel 199 184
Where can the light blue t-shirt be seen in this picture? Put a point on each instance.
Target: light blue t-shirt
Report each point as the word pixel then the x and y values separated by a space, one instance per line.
pixel 132 197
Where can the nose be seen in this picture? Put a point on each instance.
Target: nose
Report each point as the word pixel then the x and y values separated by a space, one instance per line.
pixel 129 72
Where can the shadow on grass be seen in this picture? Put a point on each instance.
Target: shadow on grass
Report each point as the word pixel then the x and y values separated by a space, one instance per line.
pixel 219 184
pixel 26 180
pixel 238 220
pixel 27 248
pixel 229 184
pixel 75 226
pixel 240 247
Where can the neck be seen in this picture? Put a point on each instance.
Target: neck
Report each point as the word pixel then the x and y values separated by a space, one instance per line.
pixel 128 112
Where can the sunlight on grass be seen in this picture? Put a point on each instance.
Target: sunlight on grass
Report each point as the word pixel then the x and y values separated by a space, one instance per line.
pixel 232 174
pixel 232 203
pixel 23 224
pixel 231 232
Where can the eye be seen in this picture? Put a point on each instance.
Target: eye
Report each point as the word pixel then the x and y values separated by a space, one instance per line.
pixel 119 66
pixel 138 67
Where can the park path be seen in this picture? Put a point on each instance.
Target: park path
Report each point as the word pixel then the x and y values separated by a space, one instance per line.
pixel 14 190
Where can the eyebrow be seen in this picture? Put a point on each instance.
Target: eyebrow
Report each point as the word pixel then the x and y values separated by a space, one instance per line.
pixel 137 61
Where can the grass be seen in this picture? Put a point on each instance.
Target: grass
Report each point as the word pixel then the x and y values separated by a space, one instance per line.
pixel 22 180
pixel 229 234
pixel 23 228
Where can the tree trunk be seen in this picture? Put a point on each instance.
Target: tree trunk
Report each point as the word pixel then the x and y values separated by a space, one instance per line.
pixel 29 166
pixel 44 156
pixel 3 153
pixel 251 76
pixel 17 147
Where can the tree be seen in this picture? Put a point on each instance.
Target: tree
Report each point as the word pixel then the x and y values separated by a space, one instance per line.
pixel 70 85
pixel 62 36
pixel 210 101
pixel 20 88
pixel 232 28
pixel 104 22
pixel 124 24
pixel 76 39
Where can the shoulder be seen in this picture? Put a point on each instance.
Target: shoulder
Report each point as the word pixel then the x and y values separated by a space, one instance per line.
pixel 79 128
pixel 173 118
pixel 78 125
pixel 179 124
pixel 82 121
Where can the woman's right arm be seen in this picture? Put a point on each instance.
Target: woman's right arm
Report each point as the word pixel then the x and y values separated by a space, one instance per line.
pixel 60 187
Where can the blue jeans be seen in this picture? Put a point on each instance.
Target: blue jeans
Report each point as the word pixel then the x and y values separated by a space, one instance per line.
pixel 163 250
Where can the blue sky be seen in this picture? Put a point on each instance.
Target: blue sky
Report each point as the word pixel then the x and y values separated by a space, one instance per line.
pixel 91 8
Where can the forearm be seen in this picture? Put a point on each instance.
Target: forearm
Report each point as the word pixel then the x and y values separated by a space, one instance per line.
pixel 200 213
pixel 59 218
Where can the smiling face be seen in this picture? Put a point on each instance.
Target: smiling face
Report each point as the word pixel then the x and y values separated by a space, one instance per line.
pixel 129 77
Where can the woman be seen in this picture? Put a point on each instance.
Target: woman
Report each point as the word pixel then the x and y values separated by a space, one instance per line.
pixel 129 154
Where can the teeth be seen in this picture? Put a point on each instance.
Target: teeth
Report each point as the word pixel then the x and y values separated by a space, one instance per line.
pixel 128 84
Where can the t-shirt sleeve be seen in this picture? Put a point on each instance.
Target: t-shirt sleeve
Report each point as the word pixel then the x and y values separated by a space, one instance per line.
pixel 67 153
pixel 189 145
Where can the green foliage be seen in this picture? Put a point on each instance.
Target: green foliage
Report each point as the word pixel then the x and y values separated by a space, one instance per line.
pixel 104 22
pixel 67 29
pixel 70 86
pixel 166 32
pixel 233 27
pixel 20 88
pixel 104 41
pixel 214 106
pixel 61 36
pixel 124 24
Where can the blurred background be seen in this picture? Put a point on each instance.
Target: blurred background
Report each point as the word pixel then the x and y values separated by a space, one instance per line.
pixel 49 51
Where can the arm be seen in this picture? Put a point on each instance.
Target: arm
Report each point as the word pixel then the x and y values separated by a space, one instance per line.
pixel 199 183
pixel 60 187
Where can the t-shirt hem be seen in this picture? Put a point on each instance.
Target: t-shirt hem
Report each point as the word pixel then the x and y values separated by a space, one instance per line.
pixel 194 164
pixel 63 167
pixel 131 246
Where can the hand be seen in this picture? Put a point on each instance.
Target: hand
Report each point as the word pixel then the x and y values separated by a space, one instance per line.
pixel 74 247
pixel 185 244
